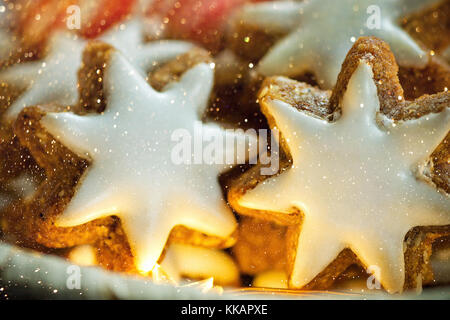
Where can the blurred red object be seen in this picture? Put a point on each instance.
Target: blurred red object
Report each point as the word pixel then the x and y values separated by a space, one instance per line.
pixel 39 18
pixel 200 20
pixel 106 15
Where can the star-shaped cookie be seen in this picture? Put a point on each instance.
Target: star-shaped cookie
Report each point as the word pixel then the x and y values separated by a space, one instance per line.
pixel 132 173
pixel 360 177
pixel 54 79
pixel 322 31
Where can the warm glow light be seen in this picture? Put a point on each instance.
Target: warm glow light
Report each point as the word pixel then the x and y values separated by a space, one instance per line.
pixel 83 255
pixel 271 279
pixel 160 277
pixel 146 268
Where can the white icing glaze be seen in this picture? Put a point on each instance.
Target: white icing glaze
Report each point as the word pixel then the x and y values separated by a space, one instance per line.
pixel 132 175
pixel 54 80
pixel 199 263
pixel 354 182
pixel 323 31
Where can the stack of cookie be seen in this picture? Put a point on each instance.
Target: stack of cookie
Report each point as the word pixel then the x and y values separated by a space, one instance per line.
pixel 284 144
